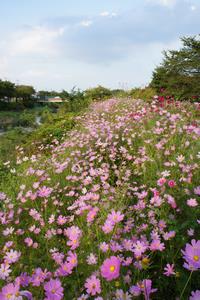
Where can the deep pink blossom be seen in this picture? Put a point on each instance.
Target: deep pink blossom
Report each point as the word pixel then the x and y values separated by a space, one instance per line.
pixel 93 286
pixel 53 290
pixel 110 268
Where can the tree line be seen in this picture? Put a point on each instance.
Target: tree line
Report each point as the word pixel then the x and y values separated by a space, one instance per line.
pixel 179 73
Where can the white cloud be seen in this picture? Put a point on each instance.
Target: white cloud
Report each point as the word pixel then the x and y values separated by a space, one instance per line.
pixel 193 7
pixel 104 14
pixel 36 40
pixel 108 14
pixel 167 3
pixel 86 23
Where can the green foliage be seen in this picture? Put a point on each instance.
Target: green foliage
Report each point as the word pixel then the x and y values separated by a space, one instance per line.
pixel 146 93
pixel 179 73
pixel 25 93
pixel 119 93
pixel 7 89
pixel 98 93
pixel 44 94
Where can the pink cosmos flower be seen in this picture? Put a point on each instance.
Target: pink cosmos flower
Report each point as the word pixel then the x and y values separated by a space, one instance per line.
pixel 195 295
pixel 161 181
pixel 157 245
pixel 169 270
pixel 73 243
pixel 171 201
pixel 91 259
pixel 72 258
pixel 58 257
pixel 61 220
pixel 192 255
pixel 12 256
pixel 44 191
pixel 53 290
pixel 135 290
pixel 4 271
pixel 192 202
pixel 73 232
pixel 115 217
pixel 197 190
pixel 110 268
pixel 120 294
pixel 24 279
pixel 92 214
pixel 107 227
pixel 39 276
pixel 146 288
pixel 171 183
pixel 65 269
pixel 139 248
pixel 169 235
pixel 2 196
pixel 11 291
pixel 28 241
pixel 104 247
pixel 93 286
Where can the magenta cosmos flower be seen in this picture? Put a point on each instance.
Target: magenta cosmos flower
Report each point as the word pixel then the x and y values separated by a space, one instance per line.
pixel 169 270
pixel 192 255
pixel 195 295
pixel 92 285
pixel 115 217
pixel 53 290
pixel 146 287
pixel 11 291
pixel 110 268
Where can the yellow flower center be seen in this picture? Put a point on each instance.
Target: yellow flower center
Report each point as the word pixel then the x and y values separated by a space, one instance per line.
pixel 112 268
pixel 145 260
pixel 53 291
pixel 142 286
pixel 196 257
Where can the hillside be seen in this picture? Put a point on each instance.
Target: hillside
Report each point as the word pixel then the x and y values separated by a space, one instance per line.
pixel 107 211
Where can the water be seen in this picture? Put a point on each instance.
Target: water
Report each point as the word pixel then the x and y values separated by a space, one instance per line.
pixel 25 129
pixel 2 131
pixel 38 120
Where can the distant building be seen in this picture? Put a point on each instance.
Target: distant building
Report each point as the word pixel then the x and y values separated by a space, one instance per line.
pixel 55 99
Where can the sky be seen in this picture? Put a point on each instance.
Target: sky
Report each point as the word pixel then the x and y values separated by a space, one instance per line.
pixel 59 44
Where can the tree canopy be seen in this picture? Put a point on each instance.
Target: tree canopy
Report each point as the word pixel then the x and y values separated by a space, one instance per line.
pixel 179 72
pixel 7 89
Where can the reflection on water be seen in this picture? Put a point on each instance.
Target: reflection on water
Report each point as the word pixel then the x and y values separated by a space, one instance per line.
pixel 24 129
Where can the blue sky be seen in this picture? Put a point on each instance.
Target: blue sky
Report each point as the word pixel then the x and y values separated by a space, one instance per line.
pixel 116 43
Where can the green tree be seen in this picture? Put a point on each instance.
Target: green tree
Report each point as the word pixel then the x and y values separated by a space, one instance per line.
pixel 98 93
pixel 64 95
pixel 25 93
pixel 7 89
pixel 179 73
pixel 45 94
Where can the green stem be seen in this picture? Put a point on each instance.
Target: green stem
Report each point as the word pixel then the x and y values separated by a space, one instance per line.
pixel 186 285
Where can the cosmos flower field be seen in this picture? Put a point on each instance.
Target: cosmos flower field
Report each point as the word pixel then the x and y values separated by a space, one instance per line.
pixel 109 212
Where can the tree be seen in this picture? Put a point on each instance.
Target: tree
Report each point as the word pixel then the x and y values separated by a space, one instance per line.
pixel 64 95
pixel 7 89
pixel 179 73
pixel 24 93
pixel 42 95
pixel 98 93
